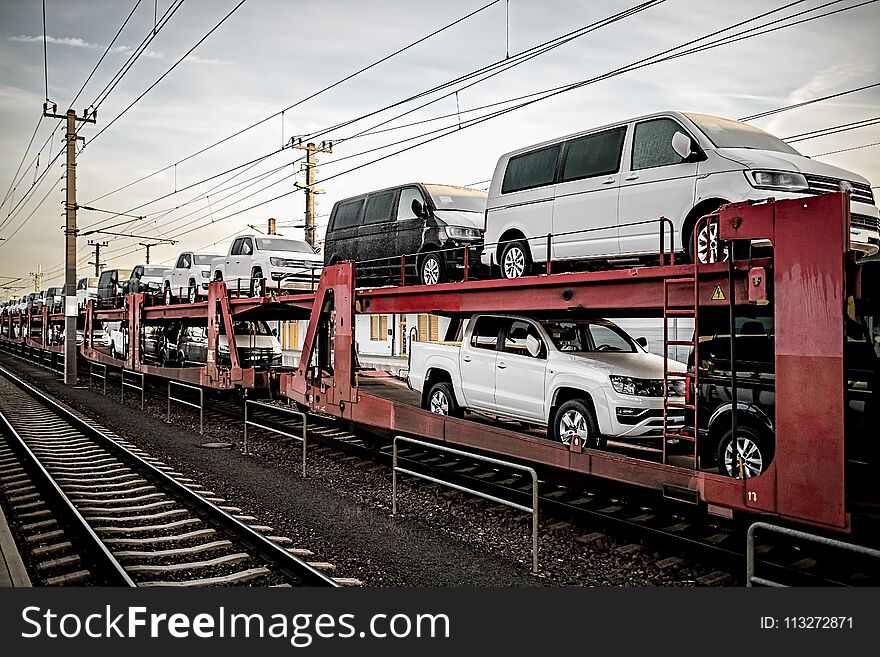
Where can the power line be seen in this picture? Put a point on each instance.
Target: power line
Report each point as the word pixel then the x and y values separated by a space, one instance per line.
pixel 833 130
pixel 301 101
pixel 166 73
pixel 844 150
pixel 761 115
pixel 516 60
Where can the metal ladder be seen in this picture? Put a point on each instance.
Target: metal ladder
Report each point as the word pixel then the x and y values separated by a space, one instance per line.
pixel 690 404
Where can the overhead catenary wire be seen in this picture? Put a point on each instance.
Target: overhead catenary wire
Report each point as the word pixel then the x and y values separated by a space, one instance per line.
pixel 724 41
pixel 846 150
pixel 833 130
pixel 554 91
pixel 299 102
pixel 777 110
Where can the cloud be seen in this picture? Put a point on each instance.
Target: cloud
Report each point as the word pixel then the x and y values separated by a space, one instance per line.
pixel 74 42
pixel 195 59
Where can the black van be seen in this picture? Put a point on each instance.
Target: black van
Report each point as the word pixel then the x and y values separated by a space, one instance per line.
pixel 110 287
pixel 430 224
pixel 756 391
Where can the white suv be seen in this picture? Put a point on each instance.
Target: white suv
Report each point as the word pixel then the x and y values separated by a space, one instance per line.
pixel 601 192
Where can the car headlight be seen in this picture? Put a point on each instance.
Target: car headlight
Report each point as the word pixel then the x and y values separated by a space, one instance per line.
pixel 459 232
pixel 627 385
pixel 206 274
pixel 784 180
pixel 276 262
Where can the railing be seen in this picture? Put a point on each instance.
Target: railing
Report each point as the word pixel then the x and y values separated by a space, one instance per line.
pixel 799 535
pixel 103 377
pixel 303 419
pixel 186 402
pixel 129 384
pixel 477 457
pixel 467 267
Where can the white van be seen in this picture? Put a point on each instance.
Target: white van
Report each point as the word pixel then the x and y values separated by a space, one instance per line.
pixel 591 189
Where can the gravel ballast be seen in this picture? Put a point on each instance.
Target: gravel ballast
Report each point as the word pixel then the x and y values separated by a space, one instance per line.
pixel 342 510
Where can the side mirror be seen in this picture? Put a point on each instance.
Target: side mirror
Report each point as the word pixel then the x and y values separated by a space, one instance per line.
pixel 275 332
pixel 533 345
pixel 682 145
pixel 417 207
pixel 642 341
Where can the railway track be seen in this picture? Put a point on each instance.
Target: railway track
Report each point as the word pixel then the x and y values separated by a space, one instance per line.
pixel 599 508
pixel 92 509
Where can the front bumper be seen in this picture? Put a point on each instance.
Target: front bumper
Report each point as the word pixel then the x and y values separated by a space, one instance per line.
pixel 626 416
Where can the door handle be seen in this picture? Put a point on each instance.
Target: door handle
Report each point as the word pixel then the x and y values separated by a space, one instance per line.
pixel 466 359
pixel 609 180
pixel 502 366
pixel 632 176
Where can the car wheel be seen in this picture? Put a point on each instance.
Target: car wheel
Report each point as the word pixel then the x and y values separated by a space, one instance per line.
pixel 516 260
pixel 193 293
pixel 752 457
pixel 708 247
pixel 431 269
pixel 168 298
pixel 576 418
pixel 441 400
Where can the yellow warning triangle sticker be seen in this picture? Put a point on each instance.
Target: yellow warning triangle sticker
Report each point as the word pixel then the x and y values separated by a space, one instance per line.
pixel 718 294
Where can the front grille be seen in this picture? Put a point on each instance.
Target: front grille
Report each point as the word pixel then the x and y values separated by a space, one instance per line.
pixel 864 222
pixel 821 185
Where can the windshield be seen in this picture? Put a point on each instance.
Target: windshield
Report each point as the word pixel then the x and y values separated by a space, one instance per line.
pixel 204 259
pixel 154 271
pixel 244 328
pixel 277 244
pixel 588 336
pixel 446 197
pixel 725 133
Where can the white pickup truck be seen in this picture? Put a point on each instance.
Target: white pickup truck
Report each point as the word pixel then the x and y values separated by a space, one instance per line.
pixel 574 376
pixel 281 261
pixel 189 278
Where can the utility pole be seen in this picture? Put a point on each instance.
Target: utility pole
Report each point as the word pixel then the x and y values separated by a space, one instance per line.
pixel 310 165
pixel 272 226
pixel 98 264
pixel 70 307
pixel 38 278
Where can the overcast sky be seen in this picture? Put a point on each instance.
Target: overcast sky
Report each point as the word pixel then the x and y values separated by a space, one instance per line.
pixel 271 53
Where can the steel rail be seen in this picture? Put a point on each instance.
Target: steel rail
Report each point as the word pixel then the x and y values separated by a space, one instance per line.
pixel 287 563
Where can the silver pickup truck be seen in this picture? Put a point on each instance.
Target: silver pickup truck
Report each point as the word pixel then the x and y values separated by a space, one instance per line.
pixel 574 376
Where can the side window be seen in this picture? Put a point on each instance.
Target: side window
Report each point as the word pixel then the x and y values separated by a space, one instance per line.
pixel 652 144
pixel 247 246
pixel 181 262
pixel 485 335
pixel 187 260
pixel 593 155
pixel 531 169
pixel 604 339
pixel 404 205
pixel 236 246
pixel 348 214
pixel 379 208
pixel 515 340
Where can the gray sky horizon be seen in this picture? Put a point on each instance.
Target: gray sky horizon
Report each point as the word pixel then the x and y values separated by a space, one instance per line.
pixel 270 54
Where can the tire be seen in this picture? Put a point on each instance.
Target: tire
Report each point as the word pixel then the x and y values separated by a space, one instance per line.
pixel 193 294
pixel 168 297
pixel 573 416
pixel 431 269
pixel 441 400
pixel 756 450
pixel 515 260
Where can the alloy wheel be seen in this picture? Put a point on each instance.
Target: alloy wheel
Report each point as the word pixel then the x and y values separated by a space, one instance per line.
pixel 707 245
pixel 573 423
pixel 749 459
pixel 514 263
pixel 430 271
pixel 439 403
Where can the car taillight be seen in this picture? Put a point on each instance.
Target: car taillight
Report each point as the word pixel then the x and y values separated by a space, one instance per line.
pixel 688 390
